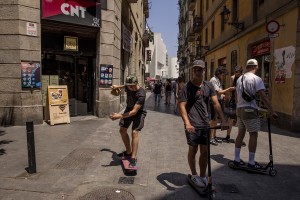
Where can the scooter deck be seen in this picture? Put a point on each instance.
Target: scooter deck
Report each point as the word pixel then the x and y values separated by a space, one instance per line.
pixel 245 168
pixel 126 168
pixel 199 190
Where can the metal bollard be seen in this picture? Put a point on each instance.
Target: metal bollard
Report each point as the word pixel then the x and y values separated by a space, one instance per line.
pixel 31 148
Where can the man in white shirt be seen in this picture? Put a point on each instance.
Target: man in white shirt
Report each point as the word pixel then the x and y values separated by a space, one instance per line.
pixel 247 111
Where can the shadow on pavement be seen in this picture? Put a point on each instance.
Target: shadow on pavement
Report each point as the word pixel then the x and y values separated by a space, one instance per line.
pixel 285 185
pixel 278 131
pixel 116 160
pixel 3 142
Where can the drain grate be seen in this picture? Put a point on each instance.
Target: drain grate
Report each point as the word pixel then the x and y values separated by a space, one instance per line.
pixel 126 180
pixel 107 194
pixel 77 159
pixel 228 188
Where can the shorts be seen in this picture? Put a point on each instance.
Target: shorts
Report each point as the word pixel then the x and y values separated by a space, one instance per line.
pixel 136 120
pixel 213 113
pixel 199 137
pixel 248 119
pixel 168 93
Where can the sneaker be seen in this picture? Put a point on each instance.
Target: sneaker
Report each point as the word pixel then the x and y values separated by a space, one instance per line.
pixel 198 181
pixel 123 154
pixel 241 163
pixel 255 166
pixel 133 162
pixel 226 139
pixel 214 141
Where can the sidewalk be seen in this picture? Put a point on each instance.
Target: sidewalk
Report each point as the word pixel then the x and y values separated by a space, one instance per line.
pixel 77 161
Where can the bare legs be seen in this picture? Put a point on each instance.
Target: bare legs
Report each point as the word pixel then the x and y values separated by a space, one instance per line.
pixel 202 159
pixel 126 141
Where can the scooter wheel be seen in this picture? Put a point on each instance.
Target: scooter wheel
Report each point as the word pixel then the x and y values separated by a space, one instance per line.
pixel 272 172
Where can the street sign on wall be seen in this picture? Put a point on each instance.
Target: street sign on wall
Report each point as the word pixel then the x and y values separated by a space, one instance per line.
pixel 83 12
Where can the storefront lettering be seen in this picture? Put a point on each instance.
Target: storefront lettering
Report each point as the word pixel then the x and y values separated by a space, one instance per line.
pixel 68 9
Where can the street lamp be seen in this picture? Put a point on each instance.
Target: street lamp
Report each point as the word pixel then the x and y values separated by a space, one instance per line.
pixel 226 14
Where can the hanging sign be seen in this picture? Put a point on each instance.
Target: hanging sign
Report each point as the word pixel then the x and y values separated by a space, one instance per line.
pixel 82 12
pixel 58 102
pixel 262 48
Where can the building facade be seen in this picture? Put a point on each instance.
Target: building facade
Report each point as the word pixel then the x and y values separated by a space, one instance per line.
pixel 173 67
pixel 157 64
pixel 227 33
pixel 86 45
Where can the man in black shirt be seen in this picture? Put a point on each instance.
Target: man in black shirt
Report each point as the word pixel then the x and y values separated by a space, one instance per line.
pixel 134 113
pixel 193 104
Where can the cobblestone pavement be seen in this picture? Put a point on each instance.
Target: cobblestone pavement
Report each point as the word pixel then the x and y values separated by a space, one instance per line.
pixel 77 161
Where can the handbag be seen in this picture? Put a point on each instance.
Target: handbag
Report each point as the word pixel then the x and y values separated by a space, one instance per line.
pixel 246 95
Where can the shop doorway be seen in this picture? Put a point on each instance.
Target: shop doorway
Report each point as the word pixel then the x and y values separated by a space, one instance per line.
pixel 77 72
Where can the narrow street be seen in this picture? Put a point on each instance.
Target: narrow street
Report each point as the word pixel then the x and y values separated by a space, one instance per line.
pixel 77 161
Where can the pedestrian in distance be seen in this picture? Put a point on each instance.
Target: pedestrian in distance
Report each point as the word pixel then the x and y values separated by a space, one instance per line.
pixel 247 86
pixel 216 80
pixel 193 104
pixel 157 92
pixel 134 113
pixel 168 91
pixel 174 86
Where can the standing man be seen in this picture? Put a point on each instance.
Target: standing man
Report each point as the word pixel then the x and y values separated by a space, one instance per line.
pixel 134 113
pixel 247 111
pixel 193 104
pixel 219 76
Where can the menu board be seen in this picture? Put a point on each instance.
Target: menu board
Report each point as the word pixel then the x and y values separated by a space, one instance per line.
pixel 58 104
pixel 31 75
pixel 106 75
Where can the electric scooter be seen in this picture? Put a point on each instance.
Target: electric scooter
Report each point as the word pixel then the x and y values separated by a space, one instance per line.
pixel 208 190
pixel 272 171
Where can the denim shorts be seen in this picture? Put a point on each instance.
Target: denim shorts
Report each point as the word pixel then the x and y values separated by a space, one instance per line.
pixel 199 137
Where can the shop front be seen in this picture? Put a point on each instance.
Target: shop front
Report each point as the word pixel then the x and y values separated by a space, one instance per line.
pixel 69 44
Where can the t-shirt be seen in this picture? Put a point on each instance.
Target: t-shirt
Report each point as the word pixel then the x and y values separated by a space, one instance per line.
pixel 135 97
pixel 252 84
pixel 197 102
pixel 215 81
pixel 157 88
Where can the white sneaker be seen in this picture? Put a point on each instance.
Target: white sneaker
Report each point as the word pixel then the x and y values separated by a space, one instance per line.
pixel 204 180
pixel 198 181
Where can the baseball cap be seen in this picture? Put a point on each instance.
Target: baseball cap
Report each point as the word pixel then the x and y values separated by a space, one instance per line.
pixel 199 63
pixel 131 80
pixel 252 62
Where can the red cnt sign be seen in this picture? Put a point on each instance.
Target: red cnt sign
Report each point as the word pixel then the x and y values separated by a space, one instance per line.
pixel 261 49
pixel 83 12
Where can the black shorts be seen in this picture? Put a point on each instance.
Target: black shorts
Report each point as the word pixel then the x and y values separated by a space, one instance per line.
pixel 199 137
pixel 136 120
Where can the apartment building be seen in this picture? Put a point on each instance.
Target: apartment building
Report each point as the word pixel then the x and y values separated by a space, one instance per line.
pixel 86 45
pixel 228 32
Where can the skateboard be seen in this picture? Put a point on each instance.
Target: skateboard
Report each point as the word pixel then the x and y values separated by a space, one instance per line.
pixel 202 191
pixel 129 171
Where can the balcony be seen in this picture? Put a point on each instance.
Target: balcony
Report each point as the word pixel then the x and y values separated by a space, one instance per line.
pixel 192 4
pixel 132 1
pixel 198 23
pixel 146 8
pixel 191 34
pixel 147 37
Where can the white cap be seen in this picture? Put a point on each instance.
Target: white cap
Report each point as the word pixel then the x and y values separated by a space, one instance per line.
pixel 199 63
pixel 252 62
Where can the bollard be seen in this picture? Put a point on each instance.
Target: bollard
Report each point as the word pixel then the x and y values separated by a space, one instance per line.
pixel 31 148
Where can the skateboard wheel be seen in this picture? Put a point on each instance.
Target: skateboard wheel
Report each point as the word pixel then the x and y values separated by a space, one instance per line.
pixel 272 172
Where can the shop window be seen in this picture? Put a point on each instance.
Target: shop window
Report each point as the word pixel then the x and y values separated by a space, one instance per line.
pixel 254 5
pixel 235 10
pixel 207 2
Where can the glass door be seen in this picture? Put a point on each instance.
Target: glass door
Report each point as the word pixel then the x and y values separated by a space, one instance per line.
pixel 77 73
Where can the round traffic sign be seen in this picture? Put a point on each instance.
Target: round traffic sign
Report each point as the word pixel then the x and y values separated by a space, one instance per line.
pixel 272 26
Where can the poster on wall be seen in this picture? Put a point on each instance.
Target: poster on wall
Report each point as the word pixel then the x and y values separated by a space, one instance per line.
pixel 106 75
pixel 82 12
pixel 284 59
pixel 31 75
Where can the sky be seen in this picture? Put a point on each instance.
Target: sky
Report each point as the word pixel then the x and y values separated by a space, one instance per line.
pixel 163 18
